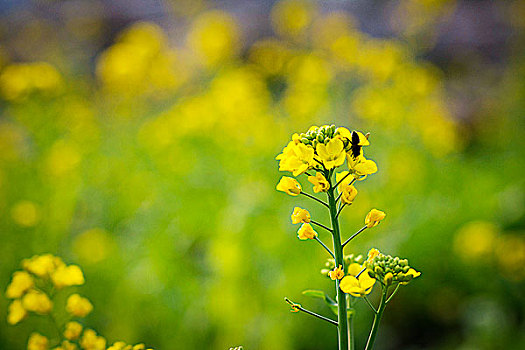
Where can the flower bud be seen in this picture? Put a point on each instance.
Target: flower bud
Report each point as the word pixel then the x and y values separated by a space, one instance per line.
pixel 388 278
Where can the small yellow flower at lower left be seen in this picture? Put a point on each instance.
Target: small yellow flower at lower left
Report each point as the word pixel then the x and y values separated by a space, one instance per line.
pixel 21 283
pixel 38 302
pixel 306 232
pixel 37 342
pixel 66 276
pixel 78 306
pixel 289 185
pixel 16 312
pixel 91 341
pixel 73 330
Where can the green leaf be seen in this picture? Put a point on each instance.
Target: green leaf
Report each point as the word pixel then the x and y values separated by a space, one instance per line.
pixel 321 295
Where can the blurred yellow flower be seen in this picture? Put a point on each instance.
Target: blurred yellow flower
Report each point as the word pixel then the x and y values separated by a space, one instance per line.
pixel 296 158
pixel 337 273
pixel 19 80
pixel 289 185
pixel 291 17
pixel 306 231
pixel 65 276
pixel 332 154
pixel 90 341
pixel 42 265
pixel 319 182
pixel 475 239
pixel 63 158
pixel 37 342
pixel 510 256
pixel 78 306
pixel 93 245
pixel 26 213
pixel 16 312
pixel 359 286
pixel 374 217
pixel 348 194
pixel 67 345
pixel 73 330
pixel 21 283
pixel 214 37
pixel 37 302
pixel 300 215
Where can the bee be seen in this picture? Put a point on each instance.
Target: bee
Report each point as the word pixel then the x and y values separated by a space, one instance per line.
pixel 355 148
pixel 357 143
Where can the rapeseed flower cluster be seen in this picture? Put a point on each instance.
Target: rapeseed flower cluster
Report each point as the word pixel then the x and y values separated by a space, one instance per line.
pixel 34 290
pixel 318 153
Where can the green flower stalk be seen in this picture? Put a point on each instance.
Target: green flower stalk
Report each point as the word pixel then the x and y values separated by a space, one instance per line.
pixel 318 153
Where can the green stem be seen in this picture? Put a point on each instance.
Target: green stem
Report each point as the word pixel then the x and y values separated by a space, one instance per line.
pixel 377 320
pixel 351 332
pixel 338 252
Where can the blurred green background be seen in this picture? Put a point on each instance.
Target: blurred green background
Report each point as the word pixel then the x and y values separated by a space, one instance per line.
pixel 137 139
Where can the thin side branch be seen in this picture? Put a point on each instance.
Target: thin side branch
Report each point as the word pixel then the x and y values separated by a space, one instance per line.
pixel 370 304
pixel 314 198
pixel 393 293
pixel 321 225
pixel 298 307
pixel 354 235
pixel 325 247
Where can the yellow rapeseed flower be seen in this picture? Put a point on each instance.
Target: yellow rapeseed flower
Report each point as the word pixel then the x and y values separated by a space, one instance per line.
pixel 360 166
pixel 320 183
pixel 389 276
pixel 37 342
pixel 306 232
pixel 21 283
pixel 359 286
pixel 289 185
pixel 36 301
pixel 337 273
pixel 300 215
pixel 73 330
pixel 374 217
pixel 332 154
pixel 66 276
pixel 348 194
pixel 296 158
pixel 90 341
pixel 78 306
pixel 16 312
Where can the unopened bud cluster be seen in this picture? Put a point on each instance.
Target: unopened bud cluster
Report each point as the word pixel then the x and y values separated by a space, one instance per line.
pixel 317 135
pixel 390 270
